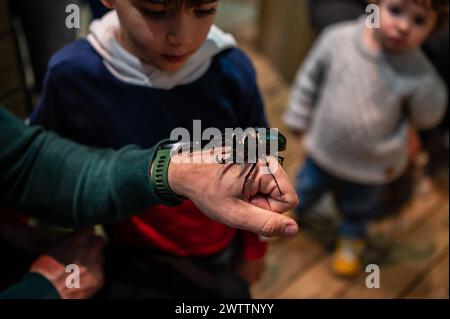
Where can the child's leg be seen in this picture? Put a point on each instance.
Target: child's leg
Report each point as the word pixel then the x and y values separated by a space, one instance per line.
pixel 358 205
pixel 312 182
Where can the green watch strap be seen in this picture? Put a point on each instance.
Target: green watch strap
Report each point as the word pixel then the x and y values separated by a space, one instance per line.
pixel 160 180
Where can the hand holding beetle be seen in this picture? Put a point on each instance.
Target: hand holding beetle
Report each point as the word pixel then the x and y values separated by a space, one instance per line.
pixel 219 195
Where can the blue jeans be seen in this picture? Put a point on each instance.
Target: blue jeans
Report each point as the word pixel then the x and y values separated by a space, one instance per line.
pixel 357 203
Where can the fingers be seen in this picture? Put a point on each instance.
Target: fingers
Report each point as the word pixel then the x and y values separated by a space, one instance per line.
pixel 263 222
pixel 260 201
pixel 274 184
pixel 275 174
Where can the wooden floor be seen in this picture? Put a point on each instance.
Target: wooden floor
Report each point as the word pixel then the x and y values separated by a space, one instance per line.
pixel 411 249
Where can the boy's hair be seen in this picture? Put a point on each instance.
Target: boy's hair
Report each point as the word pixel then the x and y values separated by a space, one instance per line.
pixel 180 3
pixel 440 6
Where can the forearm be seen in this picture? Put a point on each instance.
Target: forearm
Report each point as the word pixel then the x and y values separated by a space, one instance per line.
pixel 68 184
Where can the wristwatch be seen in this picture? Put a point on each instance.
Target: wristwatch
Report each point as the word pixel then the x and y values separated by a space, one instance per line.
pixel 159 173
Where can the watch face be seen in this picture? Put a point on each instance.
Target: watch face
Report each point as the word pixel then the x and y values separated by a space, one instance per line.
pixel 178 144
pixel 176 147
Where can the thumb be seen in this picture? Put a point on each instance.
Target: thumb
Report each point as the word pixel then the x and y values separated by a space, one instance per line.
pixel 264 222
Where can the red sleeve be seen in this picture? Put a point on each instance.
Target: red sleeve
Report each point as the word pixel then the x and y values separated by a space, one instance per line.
pixel 253 247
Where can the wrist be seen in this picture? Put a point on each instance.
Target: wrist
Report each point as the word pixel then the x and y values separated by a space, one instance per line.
pixel 164 175
pixel 175 177
pixel 53 271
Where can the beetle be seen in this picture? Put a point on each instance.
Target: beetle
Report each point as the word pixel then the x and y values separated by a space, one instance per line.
pixel 250 147
pixel 240 147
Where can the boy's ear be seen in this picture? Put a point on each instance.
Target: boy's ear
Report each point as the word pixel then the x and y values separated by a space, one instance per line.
pixel 108 3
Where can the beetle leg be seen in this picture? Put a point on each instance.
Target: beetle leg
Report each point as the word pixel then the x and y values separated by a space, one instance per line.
pixel 248 176
pixel 270 171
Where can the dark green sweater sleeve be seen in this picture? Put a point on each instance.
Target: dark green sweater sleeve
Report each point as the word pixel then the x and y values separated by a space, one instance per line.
pixel 32 286
pixel 66 184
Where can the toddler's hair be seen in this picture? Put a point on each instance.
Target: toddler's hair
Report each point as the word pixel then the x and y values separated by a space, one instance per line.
pixel 440 6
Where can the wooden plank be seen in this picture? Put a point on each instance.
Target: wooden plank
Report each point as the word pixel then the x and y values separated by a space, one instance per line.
pixel 419 250
pixel 434 284
pixel 275 106
pixel 286 34
pixel 269 78
pixel 286 261
pixel 320 282
pixel 412 216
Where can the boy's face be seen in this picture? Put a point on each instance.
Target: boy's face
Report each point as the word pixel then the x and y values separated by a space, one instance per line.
pixel 405 24
pixel 163 35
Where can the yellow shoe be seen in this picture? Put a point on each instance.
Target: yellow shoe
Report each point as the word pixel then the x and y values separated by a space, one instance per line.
pixel 347 257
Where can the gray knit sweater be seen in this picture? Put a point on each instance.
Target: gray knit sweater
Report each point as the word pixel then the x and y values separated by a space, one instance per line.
pixel 356 107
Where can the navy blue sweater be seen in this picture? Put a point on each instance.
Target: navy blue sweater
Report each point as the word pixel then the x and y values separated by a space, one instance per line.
pixel 83 101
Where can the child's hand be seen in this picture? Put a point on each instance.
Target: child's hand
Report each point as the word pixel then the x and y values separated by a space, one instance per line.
pixel 252 270
pixel 414 144
pixel 82 249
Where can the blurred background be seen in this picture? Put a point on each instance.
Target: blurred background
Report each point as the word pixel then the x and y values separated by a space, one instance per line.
pixel 409 242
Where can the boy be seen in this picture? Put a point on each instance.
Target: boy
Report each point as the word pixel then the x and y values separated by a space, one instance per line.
pixel 147 68
pixel 355 97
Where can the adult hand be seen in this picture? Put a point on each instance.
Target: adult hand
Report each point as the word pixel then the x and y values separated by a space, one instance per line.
pixel 217 191
pixel 82 249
